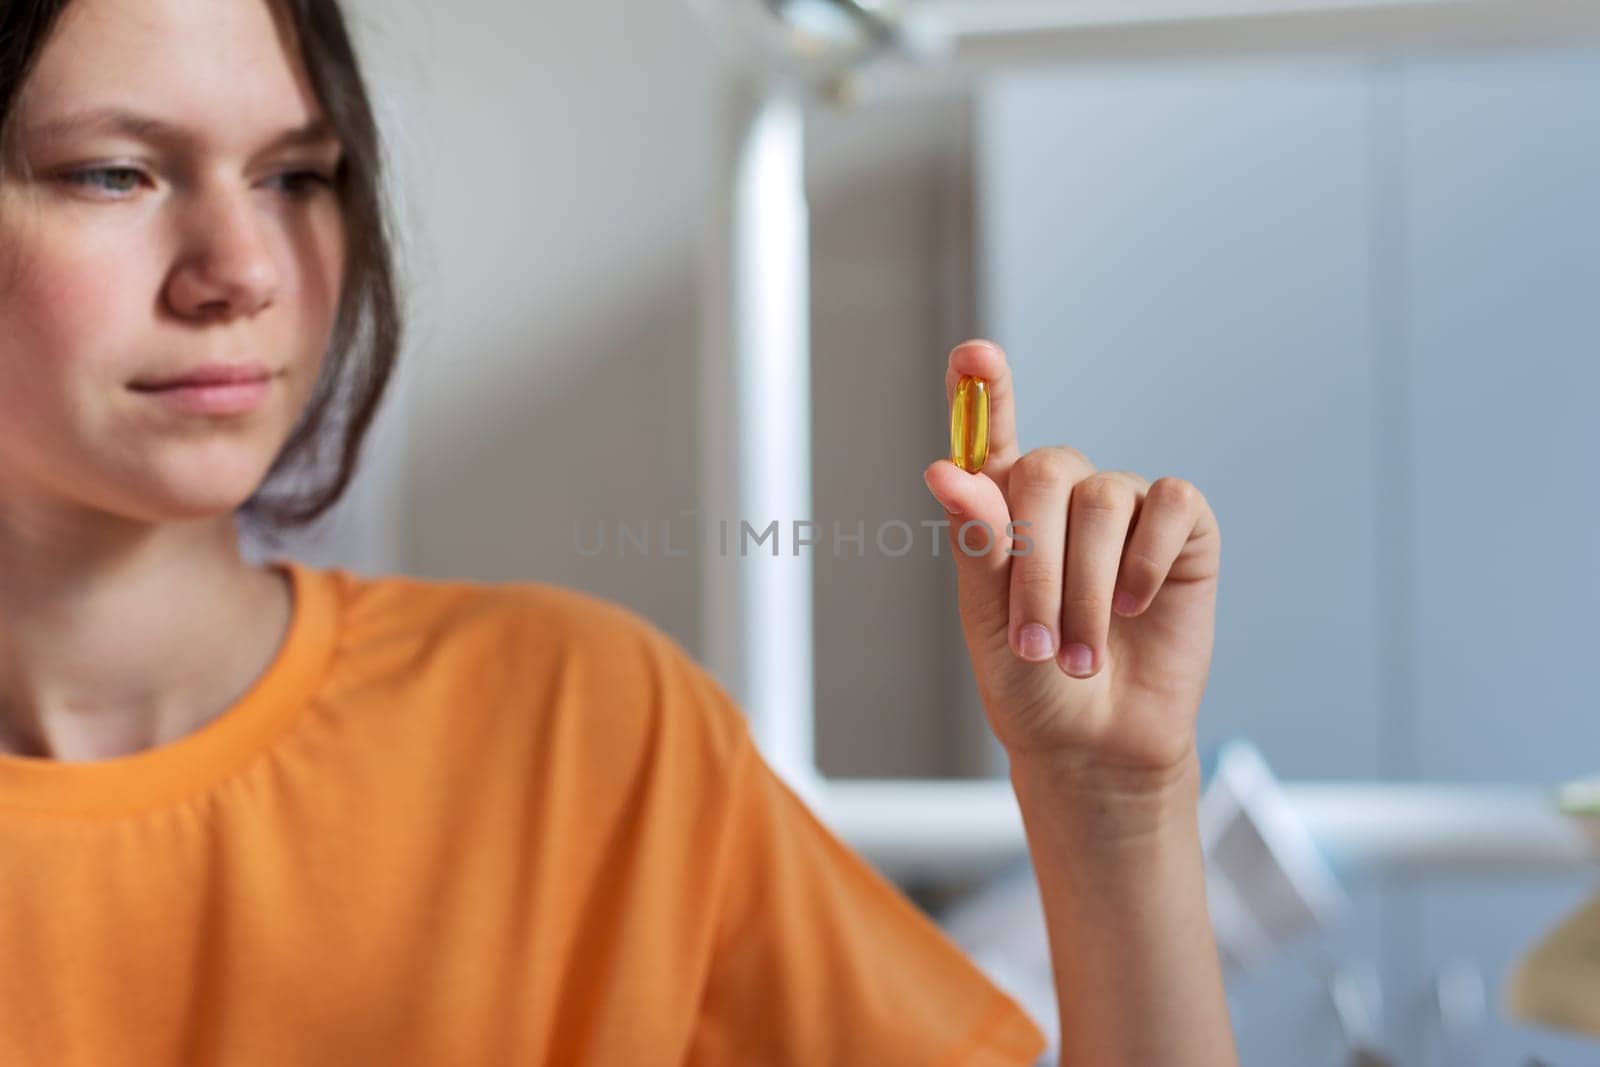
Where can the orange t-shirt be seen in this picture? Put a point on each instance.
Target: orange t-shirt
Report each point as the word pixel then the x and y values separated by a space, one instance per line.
pixel 456 823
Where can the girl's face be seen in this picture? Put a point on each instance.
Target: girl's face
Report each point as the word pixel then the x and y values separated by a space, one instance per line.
pixel 143 252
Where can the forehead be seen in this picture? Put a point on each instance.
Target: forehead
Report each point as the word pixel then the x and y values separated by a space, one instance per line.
pixel 222 69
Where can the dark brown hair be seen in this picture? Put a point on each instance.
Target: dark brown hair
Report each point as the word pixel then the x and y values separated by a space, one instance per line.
pixel 367 332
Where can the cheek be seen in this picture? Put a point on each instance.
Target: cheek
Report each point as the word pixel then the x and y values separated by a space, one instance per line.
pixel 318 284
pixel 70 321
pixel 81 315
pixel 322 276
pixel 71 315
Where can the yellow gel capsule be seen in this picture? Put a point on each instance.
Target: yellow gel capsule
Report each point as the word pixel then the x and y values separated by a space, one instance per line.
pixel 969 424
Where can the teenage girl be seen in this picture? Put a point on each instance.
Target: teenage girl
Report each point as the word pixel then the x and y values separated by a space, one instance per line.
pixel 281 815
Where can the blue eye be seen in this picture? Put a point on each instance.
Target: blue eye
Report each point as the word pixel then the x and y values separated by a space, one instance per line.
pixel 302 183
pixel 298 184
pixel 78 177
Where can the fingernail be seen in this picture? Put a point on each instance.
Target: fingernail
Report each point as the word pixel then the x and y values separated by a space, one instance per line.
pixel 1078 658
pixel 1036 642
pixel 1124 602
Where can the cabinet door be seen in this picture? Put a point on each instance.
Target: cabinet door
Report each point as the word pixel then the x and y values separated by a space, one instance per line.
pixel 1177 259
pixel 1501 243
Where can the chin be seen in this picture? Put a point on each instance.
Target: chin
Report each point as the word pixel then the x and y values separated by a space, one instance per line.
pixel 184 508
pixel 199 491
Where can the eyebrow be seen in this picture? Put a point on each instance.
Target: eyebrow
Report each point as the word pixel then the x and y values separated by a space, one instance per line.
pixel 144 127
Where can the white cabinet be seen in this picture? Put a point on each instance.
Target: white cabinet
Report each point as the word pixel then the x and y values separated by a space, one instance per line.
pixel 1357 301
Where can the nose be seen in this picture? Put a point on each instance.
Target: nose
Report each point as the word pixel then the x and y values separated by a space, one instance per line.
pixel 227 269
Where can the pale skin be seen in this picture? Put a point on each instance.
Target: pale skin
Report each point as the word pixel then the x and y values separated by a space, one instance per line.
pixel 128 617
pixel 1102 753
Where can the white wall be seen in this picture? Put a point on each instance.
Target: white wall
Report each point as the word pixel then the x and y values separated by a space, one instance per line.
pixel 550 165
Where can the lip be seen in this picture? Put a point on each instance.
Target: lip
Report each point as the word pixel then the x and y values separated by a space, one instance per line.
pixel 211 388
pixel 207 374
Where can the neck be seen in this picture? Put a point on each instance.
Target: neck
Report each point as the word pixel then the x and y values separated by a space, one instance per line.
pixel 116 636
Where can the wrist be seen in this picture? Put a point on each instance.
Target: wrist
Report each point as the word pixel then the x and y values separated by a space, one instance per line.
pixel 1108 801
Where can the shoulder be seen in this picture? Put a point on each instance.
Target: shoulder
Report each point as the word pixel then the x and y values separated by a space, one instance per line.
pixel 526 617
pixel 597 662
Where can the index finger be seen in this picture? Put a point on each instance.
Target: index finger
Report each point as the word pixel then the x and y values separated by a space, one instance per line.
pixel 984 359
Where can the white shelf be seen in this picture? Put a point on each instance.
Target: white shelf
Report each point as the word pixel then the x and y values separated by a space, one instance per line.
pixel 1367 831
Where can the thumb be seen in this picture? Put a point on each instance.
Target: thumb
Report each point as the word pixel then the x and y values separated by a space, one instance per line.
pixel 980 544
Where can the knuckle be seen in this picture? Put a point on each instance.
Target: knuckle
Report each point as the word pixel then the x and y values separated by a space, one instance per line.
pixel 1133 478
pixel 1175 492
pixel 1085 604
pixel 1075 457
pixel 1143 570
pixel 1035 576
pixel 1043 468
pixel 1101 493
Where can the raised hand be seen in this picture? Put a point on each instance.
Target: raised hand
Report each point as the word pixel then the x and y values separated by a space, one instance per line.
pixel 1091 629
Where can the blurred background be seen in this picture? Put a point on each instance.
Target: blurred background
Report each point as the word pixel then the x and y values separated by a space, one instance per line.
pixel 1344 276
